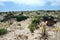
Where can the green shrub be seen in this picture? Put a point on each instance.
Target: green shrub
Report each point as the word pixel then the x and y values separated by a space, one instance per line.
pixel 32 27
pixel 10 14
pixel 7 17
pixel 50 20
pixel 36 19
pixel 35 22
pixel 3 31
pixel 20 18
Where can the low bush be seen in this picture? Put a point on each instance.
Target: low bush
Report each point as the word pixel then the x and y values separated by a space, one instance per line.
pixel 50 20
pixel 3 31
pixel 35 21
pixel 32 27
pixel 20 18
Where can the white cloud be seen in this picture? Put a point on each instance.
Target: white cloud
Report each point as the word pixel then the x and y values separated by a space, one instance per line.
pixel 54 2
pixel 33 2
pixel 5 0
pixel 2 2
pixel 27 2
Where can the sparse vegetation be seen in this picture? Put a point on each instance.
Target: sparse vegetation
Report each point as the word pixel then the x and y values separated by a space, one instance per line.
pixel 35 22
pixel 40 22
pixel 50 20
pixel 3 31
pixel 20 18
pixel 32 27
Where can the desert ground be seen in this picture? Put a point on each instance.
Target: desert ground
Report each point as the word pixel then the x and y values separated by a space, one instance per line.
pixel 19 30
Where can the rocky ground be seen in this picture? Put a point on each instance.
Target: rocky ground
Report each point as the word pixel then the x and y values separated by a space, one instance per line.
pixel 21 32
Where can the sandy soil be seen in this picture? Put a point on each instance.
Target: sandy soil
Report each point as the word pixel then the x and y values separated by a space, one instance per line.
pixel 22 32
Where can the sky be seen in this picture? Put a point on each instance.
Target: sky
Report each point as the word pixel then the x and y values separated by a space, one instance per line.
pixel 24 5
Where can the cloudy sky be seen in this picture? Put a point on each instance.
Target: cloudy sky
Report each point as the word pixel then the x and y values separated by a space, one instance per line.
pixel 21 5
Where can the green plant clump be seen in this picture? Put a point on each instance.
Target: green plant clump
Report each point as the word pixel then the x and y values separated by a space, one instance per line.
pixel 32 27
pixel 35 22
pixel 20 18
pixel 3 31
pixel 50 20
